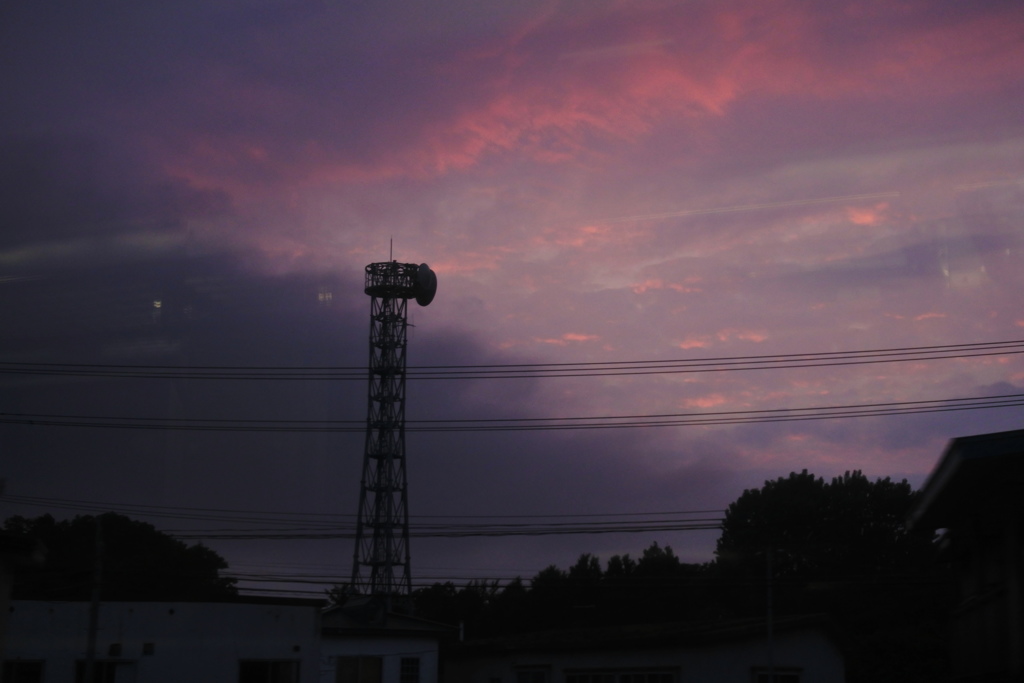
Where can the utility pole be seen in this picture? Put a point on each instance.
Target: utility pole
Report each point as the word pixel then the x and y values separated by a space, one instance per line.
pixel 94 606
pixel 769 616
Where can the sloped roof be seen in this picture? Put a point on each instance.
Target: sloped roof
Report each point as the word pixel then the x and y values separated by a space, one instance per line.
pixel 974 471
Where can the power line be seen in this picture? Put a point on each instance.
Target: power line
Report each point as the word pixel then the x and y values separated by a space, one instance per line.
pixel 829 412
pixel 315 528
pixel 528 371
pixel 315 521
pixel 468 531
pixel 629 583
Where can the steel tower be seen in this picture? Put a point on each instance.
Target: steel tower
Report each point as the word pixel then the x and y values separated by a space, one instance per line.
pixel 380 565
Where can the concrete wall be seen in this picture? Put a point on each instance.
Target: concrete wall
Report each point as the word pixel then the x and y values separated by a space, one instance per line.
pixel 391 650
pixel 166 642
pixel 813 655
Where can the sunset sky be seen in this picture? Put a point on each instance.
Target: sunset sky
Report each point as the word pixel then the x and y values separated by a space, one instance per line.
pixel 201 184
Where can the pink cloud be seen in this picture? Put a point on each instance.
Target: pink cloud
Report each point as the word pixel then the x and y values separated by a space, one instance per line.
pixel 743 335
pixel 727 335
pixel 866 216
pixel 651 67
pixel 687 286
pixel 694 343
pixel 568 338
pixel 713 401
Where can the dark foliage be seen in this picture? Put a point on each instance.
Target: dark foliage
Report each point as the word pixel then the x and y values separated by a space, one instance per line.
pixel 841 548
pixel 650 589
pixel 137 562
pixel 838 548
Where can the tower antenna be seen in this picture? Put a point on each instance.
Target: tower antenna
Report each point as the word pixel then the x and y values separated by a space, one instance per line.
pixel 380 563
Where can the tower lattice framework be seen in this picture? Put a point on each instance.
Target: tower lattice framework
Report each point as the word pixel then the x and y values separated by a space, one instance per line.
pixel 381 564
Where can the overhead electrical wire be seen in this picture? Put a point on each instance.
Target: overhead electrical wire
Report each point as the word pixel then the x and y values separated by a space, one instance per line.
pixel 318 526
pixel 654 582
pixel 525 370
pixel 303 526
pixel 250 577
pixel 461 531
pixel 731 417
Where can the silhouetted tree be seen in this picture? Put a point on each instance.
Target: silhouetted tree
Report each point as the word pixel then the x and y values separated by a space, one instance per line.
pixel 850 530
pixel 658 562
pixel 839 547
pixel 138 562
pixel 620 567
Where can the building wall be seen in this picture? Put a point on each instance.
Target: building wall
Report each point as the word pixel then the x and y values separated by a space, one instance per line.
pixel 391 650
pixel 166 642
pixel 811 654
pixel 987 638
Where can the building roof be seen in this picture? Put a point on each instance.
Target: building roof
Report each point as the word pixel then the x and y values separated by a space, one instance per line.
pixel 370 617
pixel 973 472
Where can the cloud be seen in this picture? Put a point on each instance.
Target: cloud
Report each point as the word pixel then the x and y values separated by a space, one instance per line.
pixel 63 189
pixel 592 182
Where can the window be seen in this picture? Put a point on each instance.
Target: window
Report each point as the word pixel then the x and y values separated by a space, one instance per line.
pixel 106 671
pixel 533 676
pixel 268 671
pixel 409 671
pixel 612 676
pixel 23 672
pixel 590 678
pixel 358 670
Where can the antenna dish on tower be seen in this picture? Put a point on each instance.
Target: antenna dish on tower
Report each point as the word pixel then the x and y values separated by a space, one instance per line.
pixel 426 285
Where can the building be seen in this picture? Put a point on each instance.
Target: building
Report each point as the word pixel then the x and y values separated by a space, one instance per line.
pixel 156 642
pixel 363 643
pixel 800 650
pixel 973 498
pixel 15 551
pixel 264 642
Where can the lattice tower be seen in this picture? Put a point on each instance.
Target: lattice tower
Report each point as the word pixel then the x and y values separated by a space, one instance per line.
pixel 381 564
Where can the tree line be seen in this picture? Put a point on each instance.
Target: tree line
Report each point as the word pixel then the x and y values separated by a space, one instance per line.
pixel 804 544
pixel 122 558
pixel 807 545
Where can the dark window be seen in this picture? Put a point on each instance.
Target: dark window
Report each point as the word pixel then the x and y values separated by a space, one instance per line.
pixel 106 672
pixel 409 671
pixel 613 676
pixel 268 671
pixel 358 670
pixel 23 672
pixel 590 678
pixel 532 676
pixel 779 677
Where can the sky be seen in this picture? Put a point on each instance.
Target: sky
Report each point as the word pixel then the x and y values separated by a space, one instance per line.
pixel 200 185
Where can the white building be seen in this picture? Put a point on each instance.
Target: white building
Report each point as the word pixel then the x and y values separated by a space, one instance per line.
pixel 154 642
pixel 801 650
pixel 364 644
